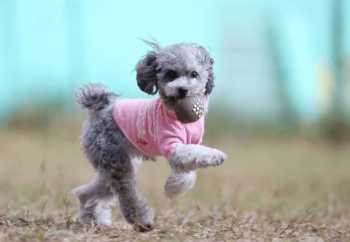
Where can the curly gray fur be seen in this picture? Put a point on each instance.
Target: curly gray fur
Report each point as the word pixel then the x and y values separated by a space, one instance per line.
pixel 93 97
pixel 115 159
pixel 111 154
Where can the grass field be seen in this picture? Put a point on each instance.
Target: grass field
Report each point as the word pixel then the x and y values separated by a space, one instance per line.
pixel 268 190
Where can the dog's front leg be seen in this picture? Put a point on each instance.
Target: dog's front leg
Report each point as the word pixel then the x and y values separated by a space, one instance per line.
pixel 188 157
pixel 184 161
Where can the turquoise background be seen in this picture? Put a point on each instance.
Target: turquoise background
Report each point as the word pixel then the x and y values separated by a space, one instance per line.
pixel 48 48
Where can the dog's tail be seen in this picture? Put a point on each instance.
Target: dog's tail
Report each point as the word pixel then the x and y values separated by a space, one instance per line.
pixel 93 97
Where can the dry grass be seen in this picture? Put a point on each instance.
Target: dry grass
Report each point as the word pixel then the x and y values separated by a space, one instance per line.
pixel 269 190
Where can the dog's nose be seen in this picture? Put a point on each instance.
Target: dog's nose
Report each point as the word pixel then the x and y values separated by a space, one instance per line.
pixel 182 92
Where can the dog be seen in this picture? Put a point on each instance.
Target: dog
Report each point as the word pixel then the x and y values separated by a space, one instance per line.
pixel 119 134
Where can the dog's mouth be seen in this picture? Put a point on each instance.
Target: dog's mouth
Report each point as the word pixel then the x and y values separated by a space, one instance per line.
pixel 170 101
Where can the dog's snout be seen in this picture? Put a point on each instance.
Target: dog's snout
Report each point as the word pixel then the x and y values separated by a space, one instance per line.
pixel 182 92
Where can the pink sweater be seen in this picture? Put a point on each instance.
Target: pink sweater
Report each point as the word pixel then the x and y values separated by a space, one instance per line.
pixel 153 129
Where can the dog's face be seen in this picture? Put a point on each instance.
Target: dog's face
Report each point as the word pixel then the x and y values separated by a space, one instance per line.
pixel 176 71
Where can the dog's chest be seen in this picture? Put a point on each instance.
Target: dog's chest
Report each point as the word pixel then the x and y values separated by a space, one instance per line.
pixel 194 132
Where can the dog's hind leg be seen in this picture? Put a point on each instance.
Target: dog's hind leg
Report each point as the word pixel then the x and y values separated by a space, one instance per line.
pixel 96 200
pixel 132 204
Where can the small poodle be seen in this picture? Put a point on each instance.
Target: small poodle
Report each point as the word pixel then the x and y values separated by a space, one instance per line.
pixel 119 134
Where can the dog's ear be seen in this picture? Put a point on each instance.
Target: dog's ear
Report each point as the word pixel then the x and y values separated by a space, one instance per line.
pixel 210 83
pixel 146 73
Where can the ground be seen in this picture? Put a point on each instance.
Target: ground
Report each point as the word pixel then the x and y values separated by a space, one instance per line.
pixel 270 189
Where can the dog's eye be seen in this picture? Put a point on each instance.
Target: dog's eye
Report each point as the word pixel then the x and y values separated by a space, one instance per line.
pixel 170 75
pixel 194 74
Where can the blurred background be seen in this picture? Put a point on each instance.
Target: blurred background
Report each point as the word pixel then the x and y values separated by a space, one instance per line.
pixel 279 64
pixel 280 108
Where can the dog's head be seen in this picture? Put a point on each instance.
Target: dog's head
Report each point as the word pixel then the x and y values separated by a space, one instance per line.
pixel 176 71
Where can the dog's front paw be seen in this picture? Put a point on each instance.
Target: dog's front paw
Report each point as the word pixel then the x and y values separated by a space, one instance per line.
pixel 214 158
pixel 190 157
pixel 180 166
pixel 179 183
